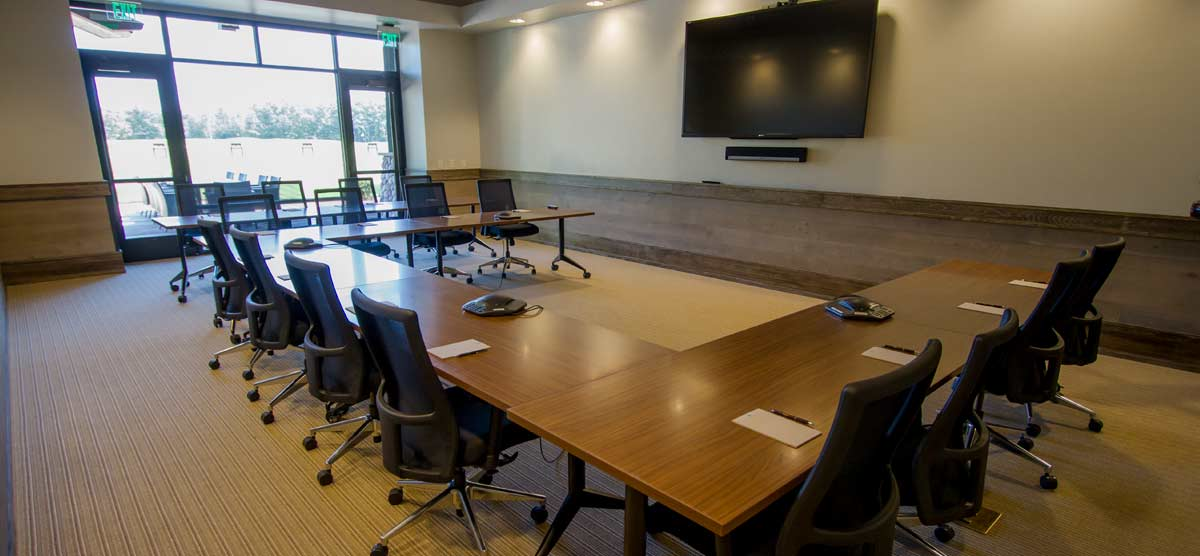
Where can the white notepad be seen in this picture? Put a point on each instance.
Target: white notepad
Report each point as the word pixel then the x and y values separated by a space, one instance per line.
pixel 889 355
pixel 520 210
pixel 1028 284
pixel 456 349
pixel 782 429
pixel 452 216
pixel 981 308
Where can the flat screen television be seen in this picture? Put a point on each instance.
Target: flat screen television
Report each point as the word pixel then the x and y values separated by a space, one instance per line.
pixel 788 72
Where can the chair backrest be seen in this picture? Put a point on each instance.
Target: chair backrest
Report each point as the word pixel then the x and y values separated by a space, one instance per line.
pixel 230 284
pixel 405 180
pixel 334 361
pixel 194 199
pixel 365 185
pixel 426 199
pixel 850 499
pixel 1104 260
pixel 240 187
pixel 340 206
pixel 1055 303
pixel 287 194
pixel 420 432
pixel 949 464
pixel 496 195
pixel 249 212
pixel 267 310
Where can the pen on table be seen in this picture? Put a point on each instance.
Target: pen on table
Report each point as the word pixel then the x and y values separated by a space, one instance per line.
pixel 900 349
pixel 990 305
pixel 790 417
pixel 1033 281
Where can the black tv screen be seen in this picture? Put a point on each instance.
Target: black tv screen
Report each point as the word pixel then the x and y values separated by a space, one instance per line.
pixel 786 72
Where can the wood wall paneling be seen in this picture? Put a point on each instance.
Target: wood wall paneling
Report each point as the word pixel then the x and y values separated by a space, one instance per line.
pixel 56 230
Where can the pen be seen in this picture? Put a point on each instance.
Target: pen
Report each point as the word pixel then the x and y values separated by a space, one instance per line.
pixel 789 417
pixel 990 305
pixel 1033 281
pixel 900 349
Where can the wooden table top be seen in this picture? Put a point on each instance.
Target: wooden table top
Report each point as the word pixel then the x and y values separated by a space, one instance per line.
pixel 664 426
pixel 406 226
pixel 188 222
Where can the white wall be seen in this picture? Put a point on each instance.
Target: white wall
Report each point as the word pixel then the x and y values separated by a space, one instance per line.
pixel 46 135
pixel 1091 104
pixel 451 98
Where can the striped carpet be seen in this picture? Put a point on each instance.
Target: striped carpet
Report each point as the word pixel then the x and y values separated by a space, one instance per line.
pixel 124 442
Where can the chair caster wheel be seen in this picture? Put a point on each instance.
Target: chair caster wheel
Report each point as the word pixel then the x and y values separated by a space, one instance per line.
pixel 944 533
pixel 379 550
pixel 252 395
pixel 174 288
pixel 218 323
pixel 214 364
pixel 309 443
pixel 471 248
pixel 1033 429
pixel 455 251
pixel 459 513
pixel 539 514
pixel 247 375
pixel 470 280
pixel 486 479
pixel 533 271
pixel 271 352
pixel 496 265
pixel 267 417
pixel 235 339
pixel 1095 425
pixel 395 496
pixel 325 477
pixel 587 275
pixel 1025 442
pixel 182 299
pixel 479 270
pixel 554 267
pixel 503 275
pixel 377 439
pixel 1048 481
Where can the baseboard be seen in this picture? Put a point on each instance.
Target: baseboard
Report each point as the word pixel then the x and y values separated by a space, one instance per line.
pixel 1158 347
pixel 754 274
pixel 44 270
pixel 1147 345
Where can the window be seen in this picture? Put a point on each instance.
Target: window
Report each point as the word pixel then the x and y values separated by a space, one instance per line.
pixel 362 53
pixel 211 40
pixel 283 47
pixel 148 40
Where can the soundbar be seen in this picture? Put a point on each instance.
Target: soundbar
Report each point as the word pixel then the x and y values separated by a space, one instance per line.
pixel 772 154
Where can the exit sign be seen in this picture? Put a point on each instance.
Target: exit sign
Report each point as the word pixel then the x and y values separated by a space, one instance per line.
pixel 124 11
pixel 389 39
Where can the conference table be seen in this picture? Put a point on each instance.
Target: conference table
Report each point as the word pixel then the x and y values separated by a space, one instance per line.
pixel 664 426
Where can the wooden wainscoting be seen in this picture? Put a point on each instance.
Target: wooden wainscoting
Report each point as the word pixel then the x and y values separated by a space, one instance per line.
pixel 53 231
pixel 830 243
pixel 6 538
pixel 460 183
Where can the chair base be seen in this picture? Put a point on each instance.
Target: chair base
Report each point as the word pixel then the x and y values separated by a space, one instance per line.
pixel 1048 481
pixel 506 262
pixel 1094 423
pixel 922 540
pixel 463 490
pixel 368 425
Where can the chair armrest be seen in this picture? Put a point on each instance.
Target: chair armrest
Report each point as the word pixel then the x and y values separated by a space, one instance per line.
pixel 385 409
pixel 311 347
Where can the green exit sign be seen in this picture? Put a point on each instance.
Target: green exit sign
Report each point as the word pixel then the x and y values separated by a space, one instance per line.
pixel 124 11
pixel 389 39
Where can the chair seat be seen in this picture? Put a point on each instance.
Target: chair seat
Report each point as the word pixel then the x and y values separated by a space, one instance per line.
pixel 449 238
pixel 377 248
pixel 474 418
pixel 523 229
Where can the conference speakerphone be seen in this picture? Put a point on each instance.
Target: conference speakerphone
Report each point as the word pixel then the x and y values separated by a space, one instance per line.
pixel 772 154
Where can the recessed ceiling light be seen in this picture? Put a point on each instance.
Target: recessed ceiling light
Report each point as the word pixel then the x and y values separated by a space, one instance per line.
pixel 595 3
pixel 516 20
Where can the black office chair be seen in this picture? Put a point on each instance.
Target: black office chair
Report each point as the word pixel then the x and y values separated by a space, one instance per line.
pixel 405 180
pixel 276 320
pixel 289 197
pixel 251 213
pixel 1080 328
pixel 940 468
pixel 497 195
pixel 429 199
pixel 230 287
pixel 339 372
pixel 429 434
pixel 849 502
pixel 345 206
pixel 1026 370
pixel 365 185
pixel 240 187
pixel 196 199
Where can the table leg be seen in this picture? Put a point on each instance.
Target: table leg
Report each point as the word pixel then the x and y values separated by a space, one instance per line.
pixel 635 522
pixel 437 242
pixel 183 273
pixel 578 497
pixel 408 242
pixel 724 545
pixel 562 250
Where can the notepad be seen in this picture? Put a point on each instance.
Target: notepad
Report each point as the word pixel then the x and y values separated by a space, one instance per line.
pixel 520 210
pixel 889 355
pixel 458 349
pixel 982 308
pixel 451 216
pixel 782 429
pixel 1028 284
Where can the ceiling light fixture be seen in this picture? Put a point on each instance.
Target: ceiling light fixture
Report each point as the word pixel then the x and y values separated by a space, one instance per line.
pixel 516 20
pixel 595 3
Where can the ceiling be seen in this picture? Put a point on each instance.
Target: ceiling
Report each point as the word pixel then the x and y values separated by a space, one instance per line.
pixel 458 3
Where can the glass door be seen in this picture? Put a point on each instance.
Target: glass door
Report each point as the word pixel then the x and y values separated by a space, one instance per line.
pixel 140 136
pixel 370 122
